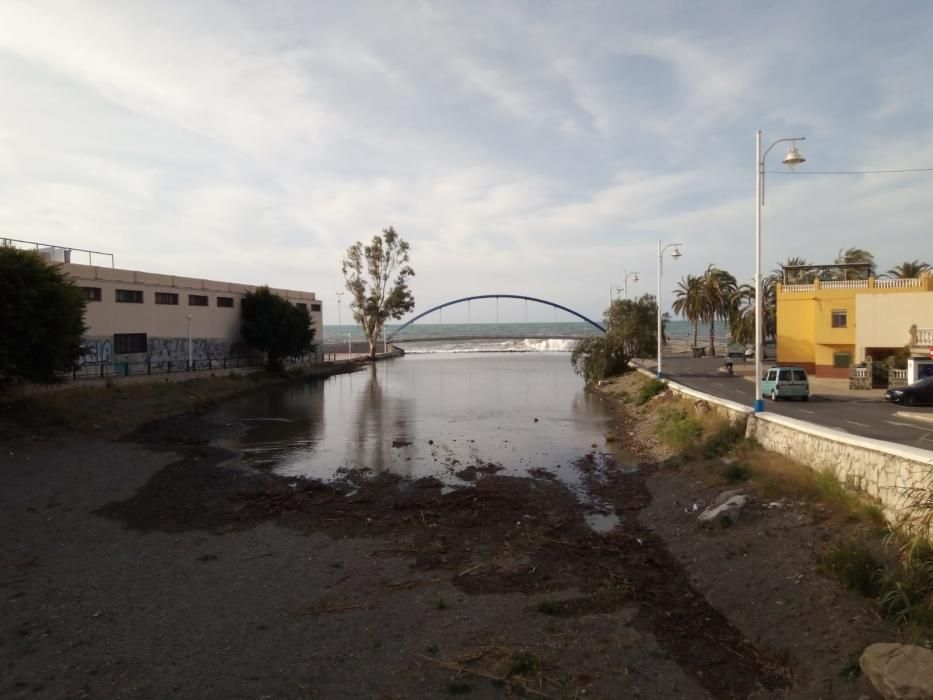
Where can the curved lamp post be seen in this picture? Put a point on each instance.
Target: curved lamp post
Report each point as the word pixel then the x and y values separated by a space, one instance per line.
pixel 674 254
pixel 339 320
pixel 634 275
pixel 792 159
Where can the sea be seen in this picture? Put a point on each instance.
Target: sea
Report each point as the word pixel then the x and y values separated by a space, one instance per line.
pixel 432 338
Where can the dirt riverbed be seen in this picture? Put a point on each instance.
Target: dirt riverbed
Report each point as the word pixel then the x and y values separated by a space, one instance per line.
pixel 149 566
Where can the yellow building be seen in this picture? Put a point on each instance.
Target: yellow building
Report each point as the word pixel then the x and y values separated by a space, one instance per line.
pixel 827 327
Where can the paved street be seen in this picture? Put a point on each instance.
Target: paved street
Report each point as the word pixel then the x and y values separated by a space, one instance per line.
pixel 831 404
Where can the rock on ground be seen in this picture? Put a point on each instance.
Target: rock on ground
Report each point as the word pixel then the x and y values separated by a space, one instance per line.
pixel 899 671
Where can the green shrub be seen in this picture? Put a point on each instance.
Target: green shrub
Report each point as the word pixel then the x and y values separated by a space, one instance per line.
pixel 855 566
pixel 649 390
pixel 679 430
pixel 724 440
pixel 735 472
pixel 523 663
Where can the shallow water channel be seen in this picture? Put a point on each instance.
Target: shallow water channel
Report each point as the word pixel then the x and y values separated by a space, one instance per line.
pixel 435 415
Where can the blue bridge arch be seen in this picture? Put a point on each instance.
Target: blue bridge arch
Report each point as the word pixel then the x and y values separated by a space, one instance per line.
pixel 494 296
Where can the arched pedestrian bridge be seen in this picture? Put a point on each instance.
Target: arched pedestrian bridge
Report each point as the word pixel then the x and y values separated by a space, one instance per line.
pixel 411 336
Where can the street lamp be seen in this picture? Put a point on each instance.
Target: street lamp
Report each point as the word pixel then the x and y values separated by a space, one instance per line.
pixel 339 322
pixel 625 284
pixel 674 254
pixel 792 159
pixel 190 364
pixel 614 291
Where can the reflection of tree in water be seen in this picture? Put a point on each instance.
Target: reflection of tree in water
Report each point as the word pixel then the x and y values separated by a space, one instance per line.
pixel 381 420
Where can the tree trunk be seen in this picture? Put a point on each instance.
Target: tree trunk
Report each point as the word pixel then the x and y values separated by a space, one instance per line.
pixel 696 330
pixel 712 337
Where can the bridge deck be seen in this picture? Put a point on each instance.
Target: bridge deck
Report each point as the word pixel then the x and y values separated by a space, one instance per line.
pixel 410 339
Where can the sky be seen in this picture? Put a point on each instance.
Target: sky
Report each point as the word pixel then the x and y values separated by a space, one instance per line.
pixel 537 148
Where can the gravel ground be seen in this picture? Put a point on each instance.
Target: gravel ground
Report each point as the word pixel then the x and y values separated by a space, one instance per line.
pixel 150 568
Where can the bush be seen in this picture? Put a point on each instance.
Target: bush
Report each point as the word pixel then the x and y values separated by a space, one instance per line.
pixel 724 440
pixel 855 566
pixel 649 390
pixel 735 472
pixel 42 317
pixel 678 429
pixel 599 357
pixel 276 327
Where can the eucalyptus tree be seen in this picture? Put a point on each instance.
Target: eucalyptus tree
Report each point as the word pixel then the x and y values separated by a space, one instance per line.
pixel 718 300
pixel 688 301
pixel 908 269
pixel 380 291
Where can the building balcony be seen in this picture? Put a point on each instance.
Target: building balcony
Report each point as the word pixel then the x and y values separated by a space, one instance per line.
pixel 871 283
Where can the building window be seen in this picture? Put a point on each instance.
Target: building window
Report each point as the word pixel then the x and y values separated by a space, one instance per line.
pixel 166 298
pixel 840 318
pixel 226 302
pixel 125 343
pixel 315 307
pixel 197 300
pixel 129 296
pixel 91 293
pixel 842 359
pixel 301 306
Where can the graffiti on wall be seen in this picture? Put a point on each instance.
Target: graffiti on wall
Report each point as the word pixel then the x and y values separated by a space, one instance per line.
pixel 96 352
pixel 163 351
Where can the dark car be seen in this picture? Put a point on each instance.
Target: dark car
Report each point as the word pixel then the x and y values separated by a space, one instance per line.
pixel 920 392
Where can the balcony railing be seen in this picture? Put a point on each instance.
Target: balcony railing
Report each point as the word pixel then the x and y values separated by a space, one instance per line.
pixel 895 283
pixel 845 284
pixel 898 282
pixel 925 336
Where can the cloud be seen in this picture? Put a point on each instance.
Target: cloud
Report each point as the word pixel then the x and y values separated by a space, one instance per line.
pixel 540 149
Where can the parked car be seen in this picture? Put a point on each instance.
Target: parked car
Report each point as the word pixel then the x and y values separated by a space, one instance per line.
pixel 735 350
pixel 920 392
pixel 786 383
pixel 768 350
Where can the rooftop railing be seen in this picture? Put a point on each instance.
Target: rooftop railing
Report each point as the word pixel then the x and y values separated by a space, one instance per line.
pixel 55 253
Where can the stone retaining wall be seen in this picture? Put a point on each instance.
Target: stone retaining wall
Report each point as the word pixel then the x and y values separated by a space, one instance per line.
pixel 884 470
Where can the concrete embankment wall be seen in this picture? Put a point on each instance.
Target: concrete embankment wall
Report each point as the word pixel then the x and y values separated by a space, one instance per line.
pixel 884 470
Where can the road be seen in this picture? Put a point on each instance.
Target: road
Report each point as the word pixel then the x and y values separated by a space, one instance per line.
pixel 869 416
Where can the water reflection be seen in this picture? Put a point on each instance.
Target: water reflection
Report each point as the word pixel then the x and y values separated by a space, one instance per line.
pixel 383 425
pixel 427 415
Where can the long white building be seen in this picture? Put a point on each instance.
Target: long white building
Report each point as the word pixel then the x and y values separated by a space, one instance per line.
pixel 135 316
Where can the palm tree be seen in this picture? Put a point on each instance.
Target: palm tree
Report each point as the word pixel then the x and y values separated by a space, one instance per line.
pixel 856 255
pixel 688 301
pixel 795 277
pixel 718 300
pixel 742 320
pixel 913 268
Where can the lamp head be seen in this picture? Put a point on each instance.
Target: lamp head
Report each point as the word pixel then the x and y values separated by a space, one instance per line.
pixel 793 157
pixel 676 253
